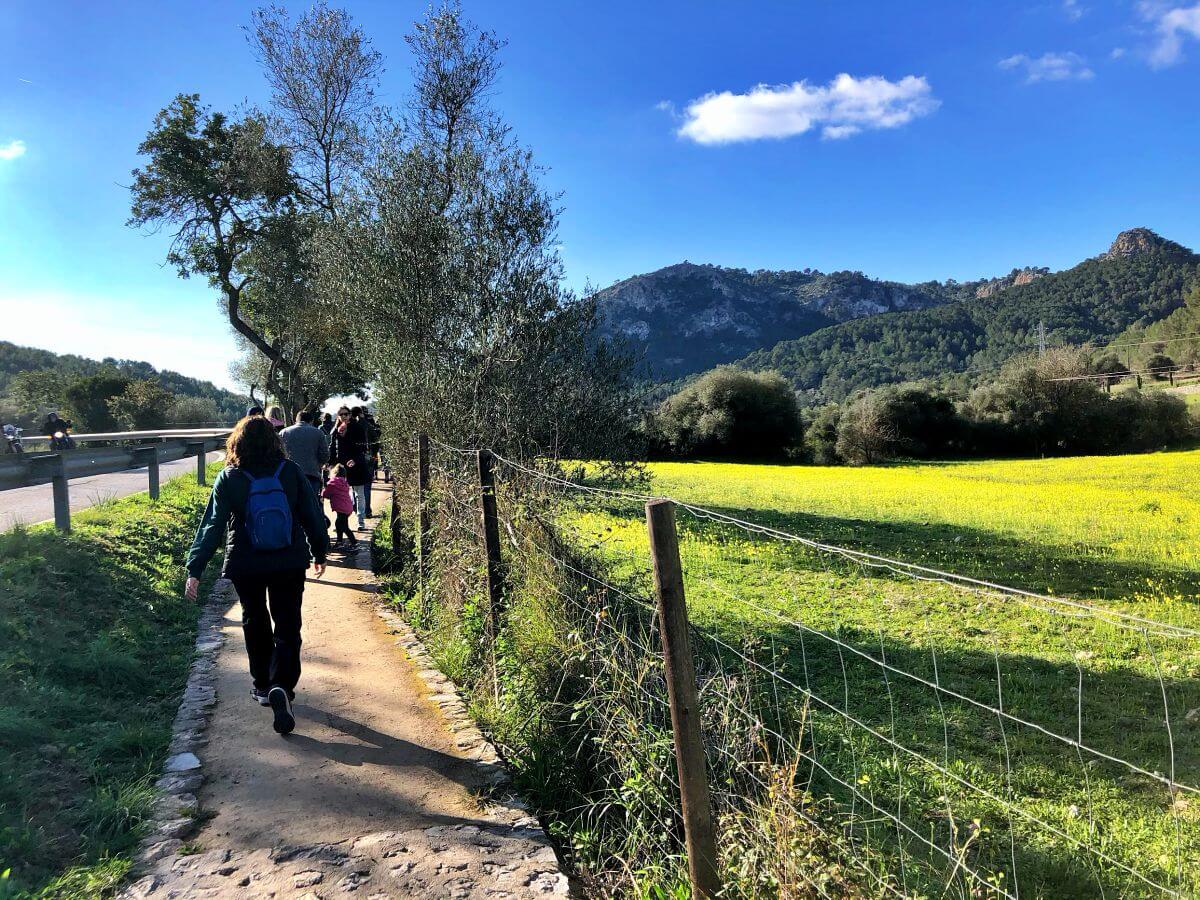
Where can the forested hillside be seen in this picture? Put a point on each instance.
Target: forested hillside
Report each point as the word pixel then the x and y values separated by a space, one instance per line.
pixel 1176 336
pixel 1141 279
pixel 686 318
pixel 43 375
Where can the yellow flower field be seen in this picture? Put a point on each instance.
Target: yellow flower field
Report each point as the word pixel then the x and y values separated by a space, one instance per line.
pixel 1116 533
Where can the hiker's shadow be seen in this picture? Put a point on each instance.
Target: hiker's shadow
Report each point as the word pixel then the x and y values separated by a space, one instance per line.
pixel 376 748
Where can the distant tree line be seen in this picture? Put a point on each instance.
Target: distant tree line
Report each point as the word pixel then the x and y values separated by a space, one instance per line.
pixel 113 395
pixel 1036 406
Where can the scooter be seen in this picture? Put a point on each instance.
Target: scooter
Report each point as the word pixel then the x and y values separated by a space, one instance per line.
pixel 12 440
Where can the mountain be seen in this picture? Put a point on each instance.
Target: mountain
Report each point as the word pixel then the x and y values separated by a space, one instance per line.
pixel 1140 279
pixel 688 317
pixel 15 359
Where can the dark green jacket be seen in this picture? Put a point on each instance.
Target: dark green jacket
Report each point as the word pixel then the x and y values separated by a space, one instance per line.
pixel 225 518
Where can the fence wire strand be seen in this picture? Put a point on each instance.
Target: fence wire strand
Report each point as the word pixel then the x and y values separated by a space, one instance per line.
pixel 876 822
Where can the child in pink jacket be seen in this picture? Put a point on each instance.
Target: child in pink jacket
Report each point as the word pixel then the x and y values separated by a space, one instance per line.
pixel 337 491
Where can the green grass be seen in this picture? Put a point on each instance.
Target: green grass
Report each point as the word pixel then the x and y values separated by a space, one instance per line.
pixel 95 644
pixel 1118 531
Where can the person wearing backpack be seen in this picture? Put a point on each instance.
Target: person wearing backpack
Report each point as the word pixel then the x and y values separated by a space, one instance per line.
pixel 265 509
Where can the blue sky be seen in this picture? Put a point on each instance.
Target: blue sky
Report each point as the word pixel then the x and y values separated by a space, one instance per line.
pixel 909 141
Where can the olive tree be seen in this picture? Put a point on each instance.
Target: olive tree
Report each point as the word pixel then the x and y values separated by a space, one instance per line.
pixel 221 184
pixel 247 196
pixel 448 249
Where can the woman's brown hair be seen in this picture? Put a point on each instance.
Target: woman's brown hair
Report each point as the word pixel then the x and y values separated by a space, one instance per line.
pixel 254 444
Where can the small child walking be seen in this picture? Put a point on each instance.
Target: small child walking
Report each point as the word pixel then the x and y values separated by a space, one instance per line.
pixel 337 491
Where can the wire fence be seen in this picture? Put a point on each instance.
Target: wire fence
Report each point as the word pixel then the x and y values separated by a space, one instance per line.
pixel 872 726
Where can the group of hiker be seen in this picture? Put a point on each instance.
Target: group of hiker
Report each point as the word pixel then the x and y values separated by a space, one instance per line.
pixel 265 505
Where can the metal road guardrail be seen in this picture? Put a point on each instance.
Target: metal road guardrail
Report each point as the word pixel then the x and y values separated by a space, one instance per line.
pixel 173 434
pixel 57 468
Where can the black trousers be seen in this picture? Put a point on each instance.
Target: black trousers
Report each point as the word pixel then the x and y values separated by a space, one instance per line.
pixel 274 651
pixel 341 524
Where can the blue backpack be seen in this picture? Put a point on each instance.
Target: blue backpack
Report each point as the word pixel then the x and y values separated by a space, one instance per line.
pixel 268 515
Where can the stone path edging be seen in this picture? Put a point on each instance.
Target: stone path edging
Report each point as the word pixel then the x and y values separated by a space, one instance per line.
pixel 175 807
pixel 445 694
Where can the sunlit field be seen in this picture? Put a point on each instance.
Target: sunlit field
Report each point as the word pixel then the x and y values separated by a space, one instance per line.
pixel 1018 745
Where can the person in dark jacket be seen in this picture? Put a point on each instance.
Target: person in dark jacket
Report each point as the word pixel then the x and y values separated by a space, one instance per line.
pixel 370 448
pixel 55 426
pixel 255 450
pixel 348 446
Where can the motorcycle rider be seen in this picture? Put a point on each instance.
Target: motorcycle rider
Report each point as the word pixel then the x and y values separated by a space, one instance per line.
pixel 53 428
pixel 12 439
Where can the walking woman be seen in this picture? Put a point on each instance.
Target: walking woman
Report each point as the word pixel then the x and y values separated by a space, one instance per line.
pixel 273 520
pixel 348 447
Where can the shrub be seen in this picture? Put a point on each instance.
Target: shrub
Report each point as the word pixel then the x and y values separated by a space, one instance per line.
pixel 1110 364
pixel 821 435
pixel 865 433
pixel 909 420
pixel 1144 420
pixel 87 400
pixel 1159 365
pixel 142 406
pixel 195 411
pixel 730 413
pixel 1043 412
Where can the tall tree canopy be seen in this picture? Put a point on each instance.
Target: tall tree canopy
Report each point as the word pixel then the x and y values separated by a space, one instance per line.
pixel 450 244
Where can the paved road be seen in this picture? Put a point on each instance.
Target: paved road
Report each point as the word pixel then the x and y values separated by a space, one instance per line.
pixel 25 506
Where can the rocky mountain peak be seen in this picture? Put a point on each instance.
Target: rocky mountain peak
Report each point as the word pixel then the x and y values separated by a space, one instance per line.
pixel 1134 242
pixel 993 286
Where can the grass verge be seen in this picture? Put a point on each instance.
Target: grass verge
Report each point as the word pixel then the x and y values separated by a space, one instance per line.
pixel 95 644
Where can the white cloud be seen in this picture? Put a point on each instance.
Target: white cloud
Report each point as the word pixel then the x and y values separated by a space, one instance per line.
pixel 1117 53
pixel 844 107
pixel 1072 10
pixel 12 150
pixel 1049 67
pixel 1173 25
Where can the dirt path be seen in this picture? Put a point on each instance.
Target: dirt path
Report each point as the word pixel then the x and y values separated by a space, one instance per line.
pixel 372 793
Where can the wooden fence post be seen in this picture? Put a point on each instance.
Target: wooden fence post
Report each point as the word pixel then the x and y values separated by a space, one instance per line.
pixel 491 536
pixel 685 708
pixel 62 499
pixel 394 519
pixel 422 511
